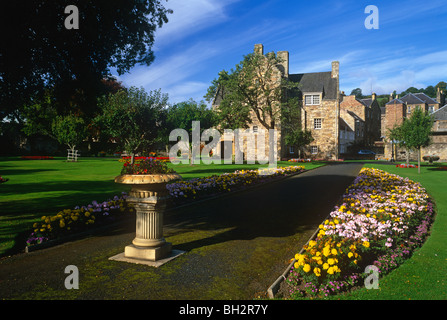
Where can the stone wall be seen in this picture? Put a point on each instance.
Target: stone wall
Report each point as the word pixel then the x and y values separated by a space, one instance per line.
pixel 326 138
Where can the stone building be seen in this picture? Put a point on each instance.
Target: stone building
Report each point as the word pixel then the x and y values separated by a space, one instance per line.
pixel 397 109
pixel 319 96
pixel 363 116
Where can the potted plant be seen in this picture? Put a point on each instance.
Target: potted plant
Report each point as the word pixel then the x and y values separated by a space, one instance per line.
pixel 148 178
pixel 430 159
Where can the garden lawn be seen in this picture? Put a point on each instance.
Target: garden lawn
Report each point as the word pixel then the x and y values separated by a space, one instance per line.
pixel 44 187
pixel 424 275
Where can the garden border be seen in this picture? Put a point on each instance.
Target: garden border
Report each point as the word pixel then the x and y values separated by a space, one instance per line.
pixel 275 287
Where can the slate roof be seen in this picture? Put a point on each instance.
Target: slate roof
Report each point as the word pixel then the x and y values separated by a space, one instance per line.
pixel 440 114
pixel 316 82
pixel 411 99
pixel 367 102
pixel 425 98
pixel 395 101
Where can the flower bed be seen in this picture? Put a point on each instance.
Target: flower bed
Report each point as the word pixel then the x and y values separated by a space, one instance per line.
pixel 403 165
pixel 3 179
pixel 184 191
pixel 136 159
pixel 382 219
pixel 37 157
pixel 300 160
pixel 79 219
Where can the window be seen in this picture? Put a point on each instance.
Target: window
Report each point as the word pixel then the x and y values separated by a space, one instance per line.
pixel 409 109
pixel 312 99
pixel 313 149
pixel 291 149
pixel 431 109
pixel 255 128
pixel 317 123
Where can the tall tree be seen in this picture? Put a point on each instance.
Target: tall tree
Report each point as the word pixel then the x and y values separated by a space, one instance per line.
pixel 38 51
pixel 357 92
pixel 293 133
pixel 181 116
pixel 417 131
pixel 70 130
pixel 253 86
pixel 134 118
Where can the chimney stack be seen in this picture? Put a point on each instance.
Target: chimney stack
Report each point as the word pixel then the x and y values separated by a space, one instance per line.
pixel 259 49
pixel 391 96
pixel 284 57
pixel 440 97
pixel 335 69
pixel 373 96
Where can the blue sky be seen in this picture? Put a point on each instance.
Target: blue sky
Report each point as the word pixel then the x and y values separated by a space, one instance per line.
pixel 204 37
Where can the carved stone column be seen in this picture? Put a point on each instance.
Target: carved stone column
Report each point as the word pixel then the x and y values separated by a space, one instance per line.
pixel 148 196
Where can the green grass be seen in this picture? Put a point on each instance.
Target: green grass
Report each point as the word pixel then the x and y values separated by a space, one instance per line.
pixel 43 187
pixel 423 276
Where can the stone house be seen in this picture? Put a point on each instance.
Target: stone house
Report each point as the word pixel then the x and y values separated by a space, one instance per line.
pixel 396 110
pixel 319 96
pixel 363 115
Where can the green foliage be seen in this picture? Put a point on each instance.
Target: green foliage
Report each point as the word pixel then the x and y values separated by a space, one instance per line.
pixel 250 87
pixel 38 51
pixel 133 117
pixel 357 92
pixel 181 116
pixel 70 130
pixel 417 129
pixel 291 124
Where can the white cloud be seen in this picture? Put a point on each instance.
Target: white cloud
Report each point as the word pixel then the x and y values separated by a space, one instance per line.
pixel 190 16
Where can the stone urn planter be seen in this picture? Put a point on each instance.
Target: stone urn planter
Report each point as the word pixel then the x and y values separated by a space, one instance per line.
pixel 148 195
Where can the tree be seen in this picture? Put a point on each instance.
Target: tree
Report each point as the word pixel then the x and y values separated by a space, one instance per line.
pixel 357 92
pixel 291 125
pixel 38 51
pixel 134 118
pixel 254 86
pixel 417 131
pixel 70 130
pixel 181 116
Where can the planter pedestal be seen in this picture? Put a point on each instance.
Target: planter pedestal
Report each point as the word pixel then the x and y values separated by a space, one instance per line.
pixel 148 196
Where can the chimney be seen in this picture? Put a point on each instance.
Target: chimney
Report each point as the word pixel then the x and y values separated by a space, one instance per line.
pixel 440 97
pixel 391 96
pixel 335 69
pixel 284 57
pixel 373 96
pixel 259 49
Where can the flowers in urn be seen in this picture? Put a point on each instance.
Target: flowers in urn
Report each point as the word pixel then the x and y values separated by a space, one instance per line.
pixel 147 165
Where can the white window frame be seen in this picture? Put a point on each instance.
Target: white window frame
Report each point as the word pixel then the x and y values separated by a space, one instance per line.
pixel 318 123
pixel 255 129
pixel 315 99
pixel 313 149
pixel 291 150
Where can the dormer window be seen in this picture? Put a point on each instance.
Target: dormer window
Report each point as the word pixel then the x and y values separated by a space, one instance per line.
pixel 311 99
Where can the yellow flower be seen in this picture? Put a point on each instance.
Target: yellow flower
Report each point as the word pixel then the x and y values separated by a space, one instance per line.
pixel 306 268
pixel 334 251
pixel 330 270
pixel 61 223
pixel 326 250
pixel 350 255
pixel 312 243
pixel 317 271
pixel 325 266
pixel 365 244
pixel 330 261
